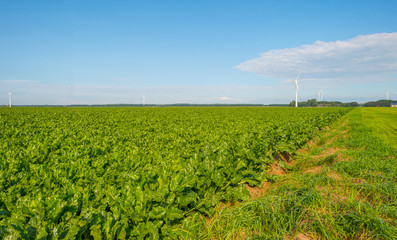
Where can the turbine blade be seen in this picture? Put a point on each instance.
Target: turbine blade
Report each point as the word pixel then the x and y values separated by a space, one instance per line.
pixel 298 77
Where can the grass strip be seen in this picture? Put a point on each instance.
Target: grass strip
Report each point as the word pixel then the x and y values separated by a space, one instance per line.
pixel 348 194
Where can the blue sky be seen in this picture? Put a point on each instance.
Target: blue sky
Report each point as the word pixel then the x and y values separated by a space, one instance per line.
pixel 98 52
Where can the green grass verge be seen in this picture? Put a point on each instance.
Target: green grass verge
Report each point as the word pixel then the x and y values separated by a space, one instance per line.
pixel 352 195
pixel 383 121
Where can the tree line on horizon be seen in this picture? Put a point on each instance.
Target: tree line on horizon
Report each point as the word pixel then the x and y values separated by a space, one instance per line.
pixel 314 103
pixel 309 103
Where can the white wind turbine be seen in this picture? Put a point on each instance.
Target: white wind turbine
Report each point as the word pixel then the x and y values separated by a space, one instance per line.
pixel 296 89
pixel 9 99
pixel 320 95
pixel 143 100
pixel 387 95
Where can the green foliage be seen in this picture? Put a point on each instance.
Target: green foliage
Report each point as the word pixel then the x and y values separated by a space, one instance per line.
pixel 308 103
pixel 313 103
pixel 379 103
pixel 145 173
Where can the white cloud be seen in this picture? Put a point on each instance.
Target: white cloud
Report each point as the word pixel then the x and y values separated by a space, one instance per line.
pixel 365 57
pixel 228 99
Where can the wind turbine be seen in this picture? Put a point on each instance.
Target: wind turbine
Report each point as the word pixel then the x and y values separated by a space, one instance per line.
pixel 387 95
pixel 9 99
pixel 143 100
pixel 296 89
pixel 320 94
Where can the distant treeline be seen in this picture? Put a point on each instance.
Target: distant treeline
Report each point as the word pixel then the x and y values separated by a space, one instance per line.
pixel 171 105
pixel 308 103
pixel 146 105
pixel 315 103
pixel 379 103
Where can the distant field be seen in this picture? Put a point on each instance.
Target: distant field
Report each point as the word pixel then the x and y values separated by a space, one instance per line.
pixel 138 172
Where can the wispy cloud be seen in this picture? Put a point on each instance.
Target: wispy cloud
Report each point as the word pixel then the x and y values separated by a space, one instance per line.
pixel 228 99
pixel 17 81
pixel 365 57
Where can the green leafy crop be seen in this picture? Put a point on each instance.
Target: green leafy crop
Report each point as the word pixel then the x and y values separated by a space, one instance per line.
pixel 144 173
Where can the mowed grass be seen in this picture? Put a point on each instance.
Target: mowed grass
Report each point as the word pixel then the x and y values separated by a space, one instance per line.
pixel 383 121
pixel 343 186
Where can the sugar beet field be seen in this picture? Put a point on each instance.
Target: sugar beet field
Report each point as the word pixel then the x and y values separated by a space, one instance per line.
pixel 198 173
